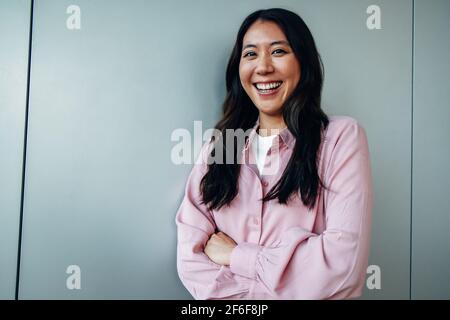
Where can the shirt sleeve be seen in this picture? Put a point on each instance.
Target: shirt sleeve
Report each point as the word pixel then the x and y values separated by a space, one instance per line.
pixel 330 265
pixel 203 278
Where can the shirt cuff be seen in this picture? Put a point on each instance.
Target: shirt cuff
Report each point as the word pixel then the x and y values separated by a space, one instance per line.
pixel 243 259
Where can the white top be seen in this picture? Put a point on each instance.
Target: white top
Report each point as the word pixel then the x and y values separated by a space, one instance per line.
pixel 260 147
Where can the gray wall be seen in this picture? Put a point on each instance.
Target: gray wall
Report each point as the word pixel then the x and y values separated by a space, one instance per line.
pixel 431 151
pixel 100 189
pixel 14 30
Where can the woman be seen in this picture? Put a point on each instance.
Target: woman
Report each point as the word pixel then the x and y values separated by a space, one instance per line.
pixel 301 231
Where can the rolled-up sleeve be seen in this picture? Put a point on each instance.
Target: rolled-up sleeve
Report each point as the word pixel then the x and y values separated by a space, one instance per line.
pixel 203 278
pixel 330 265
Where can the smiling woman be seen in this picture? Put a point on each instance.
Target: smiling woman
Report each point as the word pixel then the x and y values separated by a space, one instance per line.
pixel 303 230
pixel 269 70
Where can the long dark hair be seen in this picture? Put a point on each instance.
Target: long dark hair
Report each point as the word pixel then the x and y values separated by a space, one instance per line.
pixel 301 112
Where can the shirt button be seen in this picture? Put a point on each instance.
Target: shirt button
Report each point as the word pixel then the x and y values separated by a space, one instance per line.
pixel 256 221
pixel 264 183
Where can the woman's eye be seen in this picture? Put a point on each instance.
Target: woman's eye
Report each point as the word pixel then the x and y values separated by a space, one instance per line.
pixel 279 51
pixel 249 54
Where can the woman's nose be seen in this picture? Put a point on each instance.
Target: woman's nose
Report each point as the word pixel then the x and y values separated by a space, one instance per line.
pixel 264 65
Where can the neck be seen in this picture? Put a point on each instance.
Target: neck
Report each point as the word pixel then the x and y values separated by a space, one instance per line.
pixel 270 125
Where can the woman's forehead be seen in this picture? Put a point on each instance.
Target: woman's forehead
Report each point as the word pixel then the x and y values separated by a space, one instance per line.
pixel 264 32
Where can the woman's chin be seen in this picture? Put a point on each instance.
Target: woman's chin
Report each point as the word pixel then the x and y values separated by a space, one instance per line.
pixel 270 110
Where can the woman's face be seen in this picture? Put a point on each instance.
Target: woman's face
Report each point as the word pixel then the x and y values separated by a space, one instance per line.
pixel 268 69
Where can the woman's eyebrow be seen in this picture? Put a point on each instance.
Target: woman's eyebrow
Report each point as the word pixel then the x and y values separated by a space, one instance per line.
pixel 279 42
pixel 271 44
pixel 249 46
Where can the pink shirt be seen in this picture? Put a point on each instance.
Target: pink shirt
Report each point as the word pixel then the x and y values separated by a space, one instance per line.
pixel 284 252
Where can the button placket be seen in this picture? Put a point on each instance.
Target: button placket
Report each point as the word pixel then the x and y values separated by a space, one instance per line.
pixel 265 183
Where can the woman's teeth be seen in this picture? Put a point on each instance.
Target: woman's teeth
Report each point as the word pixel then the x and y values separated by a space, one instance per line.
pixel 268 86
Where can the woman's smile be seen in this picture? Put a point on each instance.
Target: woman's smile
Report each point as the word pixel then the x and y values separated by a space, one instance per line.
pixel 268 90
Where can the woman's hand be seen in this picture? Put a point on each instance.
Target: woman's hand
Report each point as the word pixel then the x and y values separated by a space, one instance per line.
pixel 219 247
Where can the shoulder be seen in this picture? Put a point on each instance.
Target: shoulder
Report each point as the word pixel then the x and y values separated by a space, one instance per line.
pixel 339 124
pixel 344 138
pixel 343 128
pixel 203 155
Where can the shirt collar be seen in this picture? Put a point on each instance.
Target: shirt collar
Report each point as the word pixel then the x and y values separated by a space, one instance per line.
pixel 285 136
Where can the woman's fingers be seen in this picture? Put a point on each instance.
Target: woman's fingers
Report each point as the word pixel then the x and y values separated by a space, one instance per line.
pixel 221 238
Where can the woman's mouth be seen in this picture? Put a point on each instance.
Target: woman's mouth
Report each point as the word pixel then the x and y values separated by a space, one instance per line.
pixel 267 88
